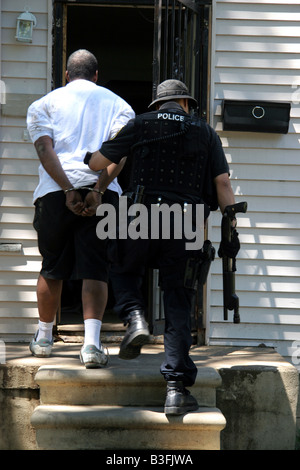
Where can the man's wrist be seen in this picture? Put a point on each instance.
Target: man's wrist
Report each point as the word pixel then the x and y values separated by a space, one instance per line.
pixel 69 189
pixel 97 190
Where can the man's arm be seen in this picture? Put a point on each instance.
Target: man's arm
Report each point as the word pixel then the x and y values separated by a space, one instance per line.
pixel 224 191
pixel 94 198
pixel 51 163
pixel 226 198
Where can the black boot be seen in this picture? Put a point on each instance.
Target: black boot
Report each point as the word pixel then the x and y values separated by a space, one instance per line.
pixel 136 336
pixel 179 400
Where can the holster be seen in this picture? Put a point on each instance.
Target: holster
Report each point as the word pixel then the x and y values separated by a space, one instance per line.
pixel 136 197
pixel 197 268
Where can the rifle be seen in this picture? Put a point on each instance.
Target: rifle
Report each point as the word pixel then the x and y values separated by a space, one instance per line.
pixel 230 299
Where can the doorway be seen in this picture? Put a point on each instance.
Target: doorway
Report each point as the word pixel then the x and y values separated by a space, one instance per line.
pixel 121 38
pixel 138 44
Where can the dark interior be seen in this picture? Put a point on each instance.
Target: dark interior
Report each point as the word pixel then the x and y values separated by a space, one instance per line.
pixel 122 40
pixel 121 37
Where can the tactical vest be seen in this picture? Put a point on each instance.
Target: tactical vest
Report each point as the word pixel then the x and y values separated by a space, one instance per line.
pixel 170 154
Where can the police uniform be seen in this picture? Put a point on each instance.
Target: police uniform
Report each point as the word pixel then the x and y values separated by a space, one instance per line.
pixel 175 158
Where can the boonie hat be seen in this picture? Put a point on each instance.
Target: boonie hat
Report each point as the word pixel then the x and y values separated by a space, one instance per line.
pixel 172 89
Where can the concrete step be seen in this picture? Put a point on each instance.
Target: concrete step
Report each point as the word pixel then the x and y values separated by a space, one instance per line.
pixel 258 395
pixel 121 406
pixel 133 386
pixel 62 427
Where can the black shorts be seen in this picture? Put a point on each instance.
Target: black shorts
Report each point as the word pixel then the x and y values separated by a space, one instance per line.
pixel 67 242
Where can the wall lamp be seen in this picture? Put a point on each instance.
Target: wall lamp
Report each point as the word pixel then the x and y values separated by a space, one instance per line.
pixel 25 23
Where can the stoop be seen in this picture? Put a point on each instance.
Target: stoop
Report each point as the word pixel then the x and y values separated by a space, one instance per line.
pixel 121 407
pixel 257 395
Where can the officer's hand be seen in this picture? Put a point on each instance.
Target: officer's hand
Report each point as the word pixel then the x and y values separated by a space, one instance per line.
pixel 232 248
pixel 74 202
pixel 92 200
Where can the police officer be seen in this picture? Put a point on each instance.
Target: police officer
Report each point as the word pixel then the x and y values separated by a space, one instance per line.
pixel 175 158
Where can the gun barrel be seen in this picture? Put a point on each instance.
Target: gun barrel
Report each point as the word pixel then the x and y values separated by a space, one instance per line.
pixel 230 299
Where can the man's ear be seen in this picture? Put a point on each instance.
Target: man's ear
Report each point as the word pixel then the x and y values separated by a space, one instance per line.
pixel 95 78
pixel 186 105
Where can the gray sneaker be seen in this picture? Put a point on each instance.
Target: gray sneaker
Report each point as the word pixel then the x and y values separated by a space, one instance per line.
pixel 93 357
pixel 41 348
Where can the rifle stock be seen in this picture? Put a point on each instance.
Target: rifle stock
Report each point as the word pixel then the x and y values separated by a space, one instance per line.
pixel 230 299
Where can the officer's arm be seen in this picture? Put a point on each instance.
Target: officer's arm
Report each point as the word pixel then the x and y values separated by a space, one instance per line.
pixel 112 171
pixel 115 149
pixel 108 175
pixel 98 162
pixel 224 191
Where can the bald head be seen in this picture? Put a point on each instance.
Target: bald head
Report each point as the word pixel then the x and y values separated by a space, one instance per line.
pixel 82 64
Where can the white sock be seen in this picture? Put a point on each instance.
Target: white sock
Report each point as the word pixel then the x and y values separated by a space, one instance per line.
pixel 45 330
pixel 92 328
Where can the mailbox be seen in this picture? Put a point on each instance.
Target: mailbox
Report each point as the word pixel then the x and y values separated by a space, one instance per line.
pixel 256 116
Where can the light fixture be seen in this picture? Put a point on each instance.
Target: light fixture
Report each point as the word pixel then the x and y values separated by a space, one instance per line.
pixel 25 23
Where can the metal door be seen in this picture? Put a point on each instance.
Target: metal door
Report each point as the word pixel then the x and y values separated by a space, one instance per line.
pixel 181 51
pixel 180 46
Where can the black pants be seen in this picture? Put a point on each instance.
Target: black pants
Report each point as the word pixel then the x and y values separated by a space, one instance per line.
pixel 67 242
pixel 169 256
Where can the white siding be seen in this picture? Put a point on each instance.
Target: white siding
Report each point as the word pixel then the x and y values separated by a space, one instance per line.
pixel 256 56
pixel 25 71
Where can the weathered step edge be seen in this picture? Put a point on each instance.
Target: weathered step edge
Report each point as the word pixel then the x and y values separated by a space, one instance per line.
pixel 130 387
pixel 115 427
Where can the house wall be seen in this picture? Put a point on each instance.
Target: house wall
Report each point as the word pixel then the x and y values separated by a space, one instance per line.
pixel 25 70
pixel 255 46
pixel 256 57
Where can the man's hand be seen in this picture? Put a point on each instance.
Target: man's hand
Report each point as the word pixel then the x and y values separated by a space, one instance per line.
pixel 92 200
pixel 74 202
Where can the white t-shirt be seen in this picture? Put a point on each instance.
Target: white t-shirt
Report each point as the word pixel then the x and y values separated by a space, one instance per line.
pixel 78 117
